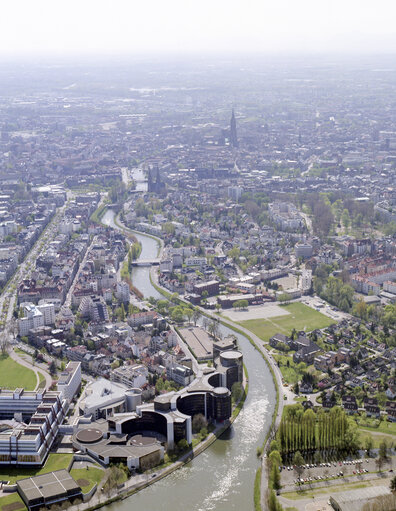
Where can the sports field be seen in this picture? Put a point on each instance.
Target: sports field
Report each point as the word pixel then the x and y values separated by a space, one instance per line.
pixel 300 317
pixel 13 375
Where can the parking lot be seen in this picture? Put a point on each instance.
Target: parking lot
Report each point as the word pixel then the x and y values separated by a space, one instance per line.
pixel 335 472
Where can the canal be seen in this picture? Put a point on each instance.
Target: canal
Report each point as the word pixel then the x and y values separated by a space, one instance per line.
pixel 222 477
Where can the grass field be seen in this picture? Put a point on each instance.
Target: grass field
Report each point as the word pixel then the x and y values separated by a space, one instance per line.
pixel 87 478
pixel 389 428
pixel 13 375
pixel 54 462
pixel 377 439
pixel 12 502
pixel 304 494
pixel 301 317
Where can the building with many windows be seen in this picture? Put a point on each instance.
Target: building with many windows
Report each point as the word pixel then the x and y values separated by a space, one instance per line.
pixel 69 382
pixel 33 420
pixel 36 316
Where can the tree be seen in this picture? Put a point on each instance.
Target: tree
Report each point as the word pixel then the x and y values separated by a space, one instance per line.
pixel 182 445
pixel 274 446
pixel 393 484
pixel 236 391
pixel 298 462
pixel 177 314
pixel 189 313
pixel 318 458
pixel 234 254
pixel 275 458
pixel 203 433
pixel 383 450
pixel 52 368
pixel 369 444
pixel 284 297
pixel 273 504
pixel 196 315
pixel 198 422
pixel 346 219
pixel 275 477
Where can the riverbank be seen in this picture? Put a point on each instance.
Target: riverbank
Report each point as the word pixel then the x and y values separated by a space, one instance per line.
pixel 260 491
pixel 158 473
pixel 233 458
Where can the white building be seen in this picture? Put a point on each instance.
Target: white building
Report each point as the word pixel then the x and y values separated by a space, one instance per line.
pixel 33 420
pixel 36 316
pixel 122 292
pixel 195 261
pixel 48 311
pixel 303 250
pixel 103 398
pixel 306 279
pixel 133 376
pixel 235 192
pixel 70 380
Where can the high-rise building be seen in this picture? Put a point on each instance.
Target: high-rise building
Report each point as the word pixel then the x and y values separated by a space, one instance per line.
pixel 233 131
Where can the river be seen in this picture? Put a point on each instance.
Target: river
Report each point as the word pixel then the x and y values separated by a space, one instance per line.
pixel 222 477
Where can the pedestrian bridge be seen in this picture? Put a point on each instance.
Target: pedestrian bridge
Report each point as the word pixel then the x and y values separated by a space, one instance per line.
pixel 146 262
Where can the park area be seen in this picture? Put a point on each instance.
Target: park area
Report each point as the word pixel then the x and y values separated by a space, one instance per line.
pixel 295 316
pixel 14 375
pixel 87 477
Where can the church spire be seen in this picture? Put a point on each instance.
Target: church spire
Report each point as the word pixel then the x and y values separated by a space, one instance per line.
pixel 233 131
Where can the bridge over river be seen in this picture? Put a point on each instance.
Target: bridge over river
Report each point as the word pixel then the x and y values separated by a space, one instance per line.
pixel 146 262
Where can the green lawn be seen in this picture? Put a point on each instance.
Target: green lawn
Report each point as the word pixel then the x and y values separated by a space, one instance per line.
pixel 389 428
pixel 54 462
pixel 301 317
pixel 87 478
pixel 377 439
pixel 41 380
pixel 13 375
pixel 12 502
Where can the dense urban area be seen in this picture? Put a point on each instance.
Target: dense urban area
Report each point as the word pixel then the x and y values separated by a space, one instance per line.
pixel 157 222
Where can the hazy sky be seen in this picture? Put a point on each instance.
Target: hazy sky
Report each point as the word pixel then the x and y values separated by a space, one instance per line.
pixel 137 26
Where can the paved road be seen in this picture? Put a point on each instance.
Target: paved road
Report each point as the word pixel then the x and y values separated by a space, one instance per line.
pixel 25 268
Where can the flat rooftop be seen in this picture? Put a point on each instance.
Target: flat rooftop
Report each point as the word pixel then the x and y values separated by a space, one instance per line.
pixel 198 341
pixel 47 487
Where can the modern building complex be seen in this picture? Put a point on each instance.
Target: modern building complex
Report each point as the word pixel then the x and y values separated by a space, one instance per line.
pixel 102 398
pixel 69 381
pixel 230 365
pixel 124 430
pixel 30 422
